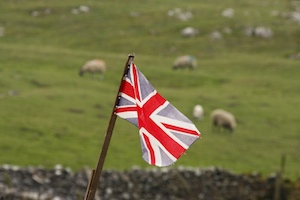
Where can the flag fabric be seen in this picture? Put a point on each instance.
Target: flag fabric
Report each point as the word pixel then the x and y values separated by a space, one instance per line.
pixel 165 133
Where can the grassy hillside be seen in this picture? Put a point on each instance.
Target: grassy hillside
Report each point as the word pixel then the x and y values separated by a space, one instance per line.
pixel 50 115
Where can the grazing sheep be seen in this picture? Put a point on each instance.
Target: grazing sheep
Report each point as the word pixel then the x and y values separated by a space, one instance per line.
pixel 186 61
pixel 189 32
pixel 223 119
pixel 198 112
pixel 259 31
pixel 95 66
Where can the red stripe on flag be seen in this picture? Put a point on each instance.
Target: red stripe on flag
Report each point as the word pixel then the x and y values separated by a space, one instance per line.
pixel 127 89
pixel 180 129
pixel 151 152
pixel 136 83
pixel 125 109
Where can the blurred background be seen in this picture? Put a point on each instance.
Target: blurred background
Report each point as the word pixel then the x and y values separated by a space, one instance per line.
pixel 248 58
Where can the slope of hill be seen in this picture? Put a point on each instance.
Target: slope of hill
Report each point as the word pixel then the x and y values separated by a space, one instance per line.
pixel 50 115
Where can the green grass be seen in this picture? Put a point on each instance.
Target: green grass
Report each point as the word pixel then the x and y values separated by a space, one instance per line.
pixel 59 117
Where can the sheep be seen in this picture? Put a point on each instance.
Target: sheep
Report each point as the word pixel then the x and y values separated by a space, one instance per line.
pixel 198 112
pixel 189 32
pixel 185 61
pixel 223 119
pixel 95 66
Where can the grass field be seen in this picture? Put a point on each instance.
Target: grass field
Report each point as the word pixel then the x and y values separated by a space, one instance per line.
pixel 50 115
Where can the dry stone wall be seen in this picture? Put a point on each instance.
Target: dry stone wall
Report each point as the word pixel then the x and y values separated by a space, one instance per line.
pixel 37 183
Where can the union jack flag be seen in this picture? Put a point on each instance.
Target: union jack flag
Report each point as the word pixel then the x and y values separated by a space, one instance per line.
pixel 165 133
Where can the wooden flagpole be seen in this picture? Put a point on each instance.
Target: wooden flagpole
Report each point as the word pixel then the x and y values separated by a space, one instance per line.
pixel 95 177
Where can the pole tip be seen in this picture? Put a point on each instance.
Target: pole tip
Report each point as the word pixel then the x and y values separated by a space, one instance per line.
pixel 131 55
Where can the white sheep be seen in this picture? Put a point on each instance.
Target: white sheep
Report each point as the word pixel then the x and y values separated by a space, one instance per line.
pixel 223 119
pixel 198 112
pixel 189 32
pixel 185 61
pixel 95 66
